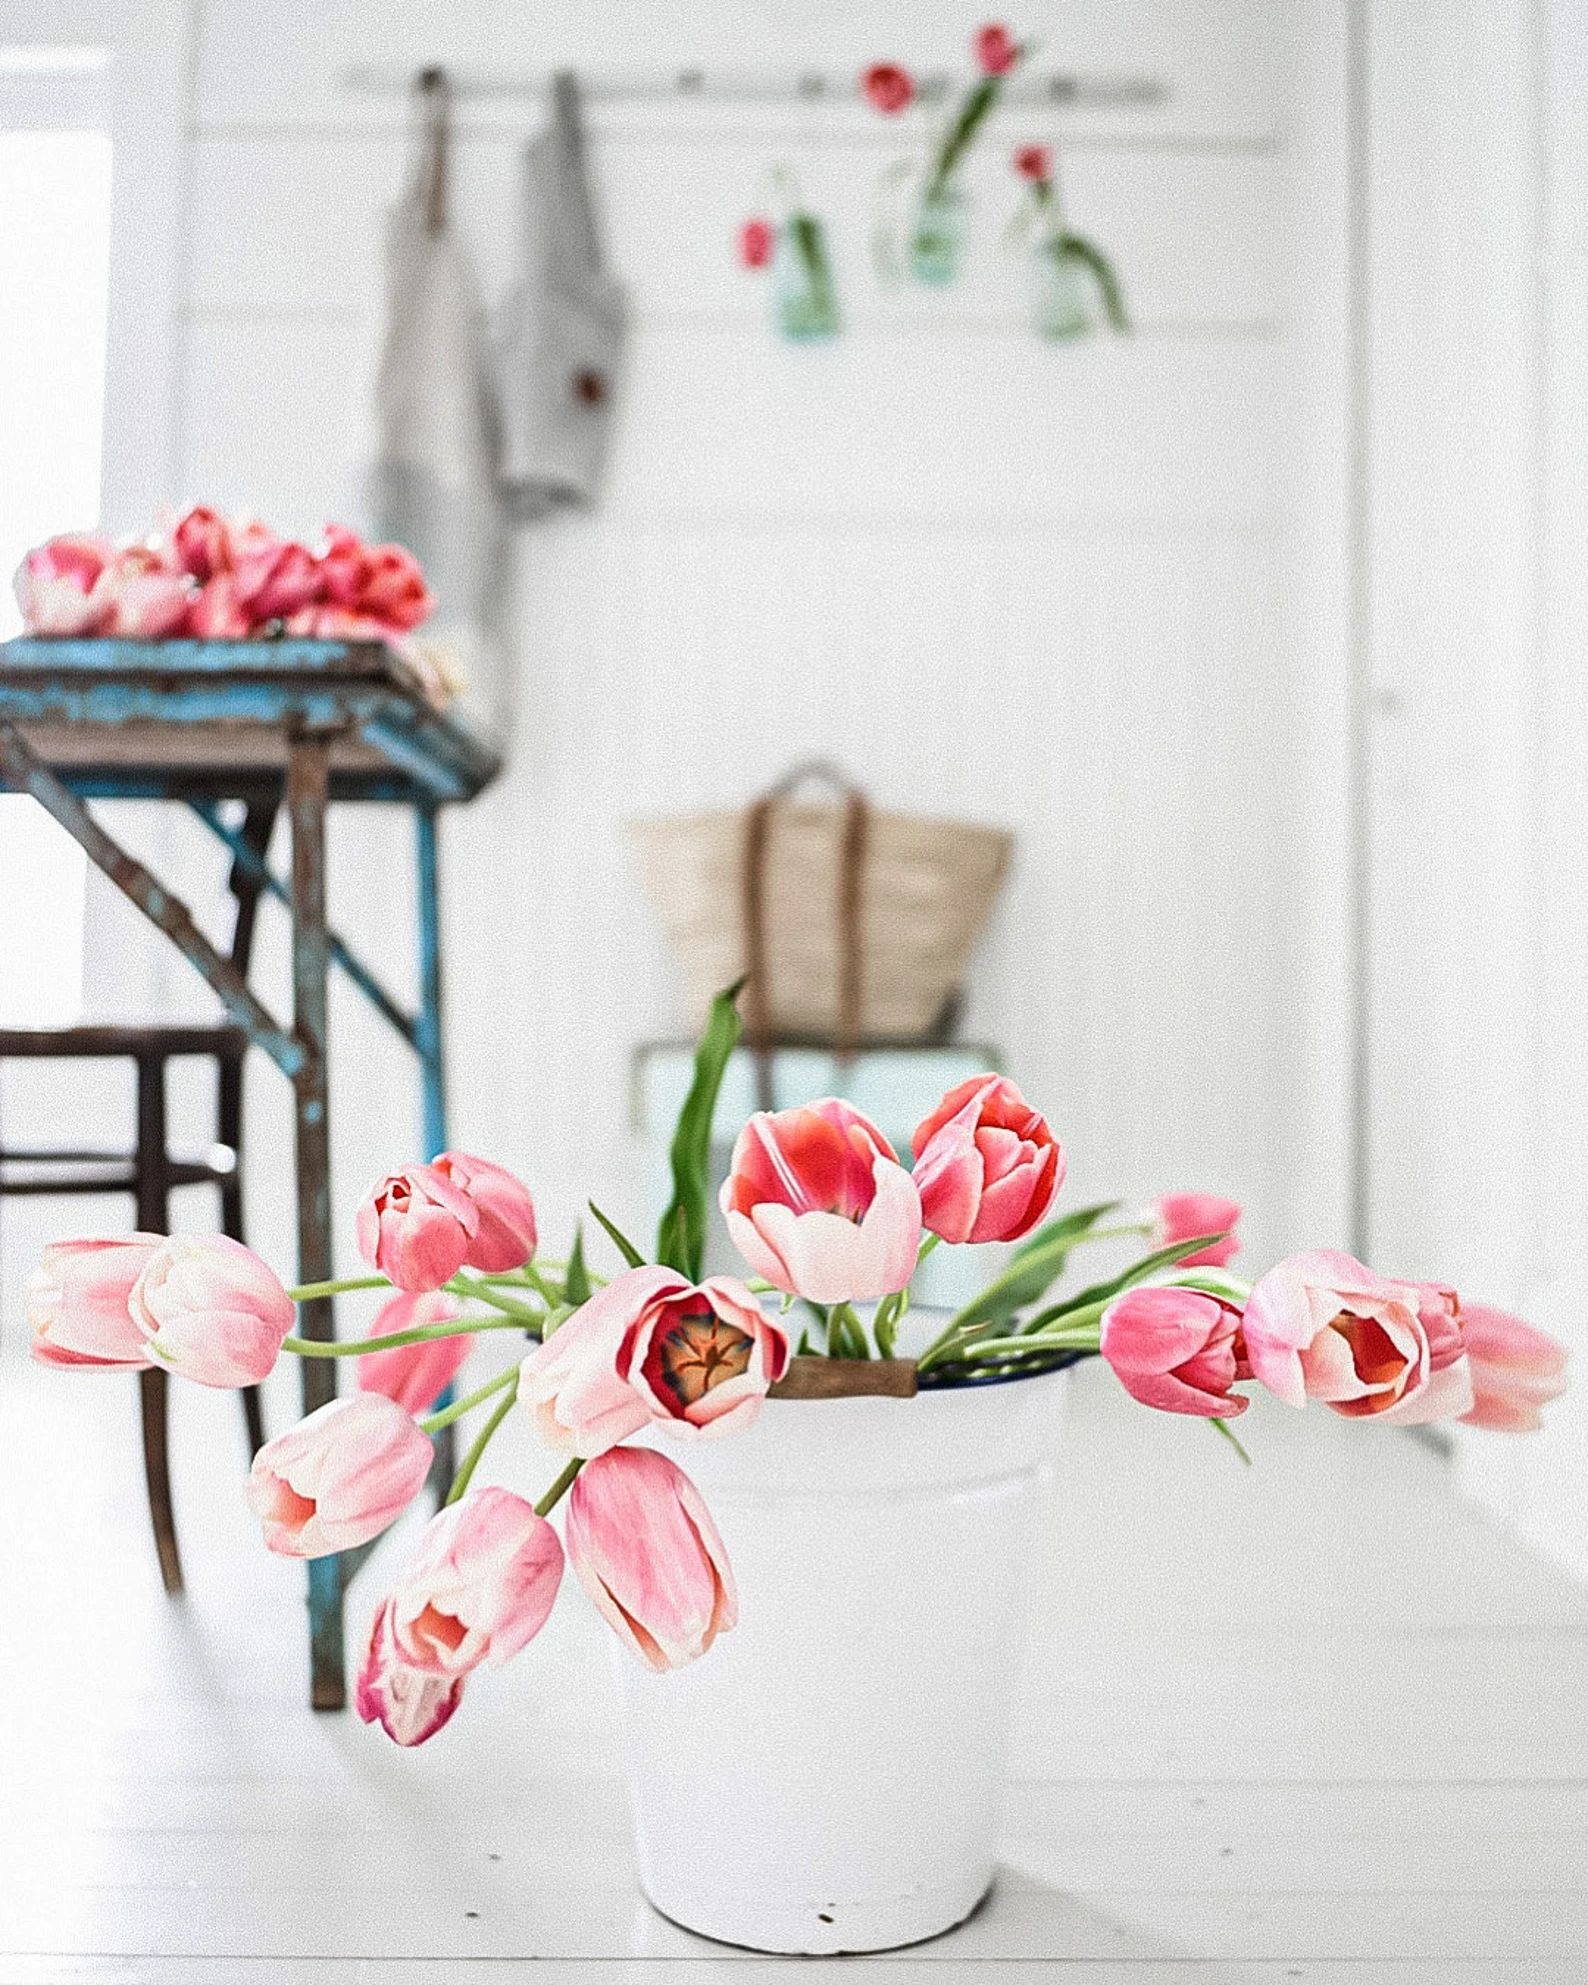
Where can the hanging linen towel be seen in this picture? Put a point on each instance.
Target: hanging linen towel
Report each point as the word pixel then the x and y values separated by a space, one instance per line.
pixel 562 341
pixel 433 484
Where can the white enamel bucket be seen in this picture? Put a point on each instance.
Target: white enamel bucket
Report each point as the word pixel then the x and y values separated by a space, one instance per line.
pixel 828 1776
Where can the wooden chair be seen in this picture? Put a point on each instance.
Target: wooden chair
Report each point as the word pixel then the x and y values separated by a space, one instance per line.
pixel 150 1170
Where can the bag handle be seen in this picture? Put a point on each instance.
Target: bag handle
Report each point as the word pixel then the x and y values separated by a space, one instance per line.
pixel 851 881
pixel 433 88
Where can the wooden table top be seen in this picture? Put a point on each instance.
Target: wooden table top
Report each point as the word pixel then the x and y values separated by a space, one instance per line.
pixel 212 719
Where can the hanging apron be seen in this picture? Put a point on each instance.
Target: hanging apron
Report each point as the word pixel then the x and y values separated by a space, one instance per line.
pixel 433 484
pixel 562 342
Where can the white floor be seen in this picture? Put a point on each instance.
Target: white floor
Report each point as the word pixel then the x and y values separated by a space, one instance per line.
pixel 1311 1721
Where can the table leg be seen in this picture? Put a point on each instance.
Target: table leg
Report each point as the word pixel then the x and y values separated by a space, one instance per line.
pixel 428 1042
pixel 428 1037
pixel 308 774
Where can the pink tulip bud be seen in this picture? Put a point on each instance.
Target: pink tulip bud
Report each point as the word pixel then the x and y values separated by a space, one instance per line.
pixel 757 239
pixel 416 1228
pixel 1516 1370
pixel 216 613
pixel 408 1703
pixel 59 585
pixel 647 1552
pixel 414 1375
pixel 888 88
pixel 1181 1216
pixel 997 51
pixel 505 1237
pixel 339 1477
pixel 987 1166
pixel 212 1310
pixel 1320 1325
pixel 817 1202
pixel 649 1347
pixel 381 584
pixel 1034 162
pixel 202 543
pixel 274 579
pixel 479 1587
pixel 147 601
pixel 1176 1349
pixel 77 1302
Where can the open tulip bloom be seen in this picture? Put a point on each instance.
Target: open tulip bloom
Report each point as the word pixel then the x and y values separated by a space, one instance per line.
pixel 612 1369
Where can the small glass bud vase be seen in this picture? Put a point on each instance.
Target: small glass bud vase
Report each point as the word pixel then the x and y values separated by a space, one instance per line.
pixel 1061 297
pixel 807 300
pixel 937 240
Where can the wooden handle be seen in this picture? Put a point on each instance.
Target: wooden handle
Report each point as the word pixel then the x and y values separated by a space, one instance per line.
pixel 847 1378
pixel 851 883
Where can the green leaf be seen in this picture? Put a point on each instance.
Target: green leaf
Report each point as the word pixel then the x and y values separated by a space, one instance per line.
pixel 1035 1268
pixel 1105 1292
pixel 619 1239
pixel 1091 257
pixel 1071 1228
pixel 576 1279
pixel 681 1233
pixel 1223 1427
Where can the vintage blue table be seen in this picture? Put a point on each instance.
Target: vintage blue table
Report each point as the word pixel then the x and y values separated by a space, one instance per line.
pixel 300 722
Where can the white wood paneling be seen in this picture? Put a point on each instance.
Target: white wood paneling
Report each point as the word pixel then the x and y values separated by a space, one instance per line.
pixel 1192 233
pixel 1219 65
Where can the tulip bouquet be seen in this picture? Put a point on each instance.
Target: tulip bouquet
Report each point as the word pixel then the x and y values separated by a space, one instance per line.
pixel 938 226
pixel 832 1228
pixel 214 578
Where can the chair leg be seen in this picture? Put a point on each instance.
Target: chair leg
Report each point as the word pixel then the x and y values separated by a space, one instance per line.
pixel 154 1216
pixel 229 1124
pixel 153 1393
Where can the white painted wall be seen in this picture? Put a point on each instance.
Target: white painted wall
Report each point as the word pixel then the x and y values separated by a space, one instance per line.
pixel 1039 585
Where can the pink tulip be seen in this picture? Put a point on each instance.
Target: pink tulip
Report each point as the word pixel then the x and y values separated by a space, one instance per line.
pixel 1181 1216
pixel 1034 162
pixel 275 579
pixel 408 1703
pixel 212 1310
pixel 757 239
pixel 148 599
pixel 1322 1326
pixel 647 1552
pixel 1516 1370
pixel 888 88
pixel 77 1302
pixel 416 1228
pixel 1176 1349
pixel 414 1375
pixel 201 542
pixel 326 623
pixel 818 1204
pixel 381 583
pixel 997 51
pixel 339 1477
pixel 987 1166
pixel 505 1237
pixel 216 613
pixel 58 585
pixel 649 1347
pixel 479 1587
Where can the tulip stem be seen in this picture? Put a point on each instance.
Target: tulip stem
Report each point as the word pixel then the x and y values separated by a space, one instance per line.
pixel 482 1441
pixel 931 1241
pixel 432 1423
pixel 358 1347
pixel 311 1292
pixel 468 1285
pixel 559 1488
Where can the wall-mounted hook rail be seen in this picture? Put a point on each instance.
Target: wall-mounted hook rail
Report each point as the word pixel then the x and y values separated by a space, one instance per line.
pixel 1061 89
